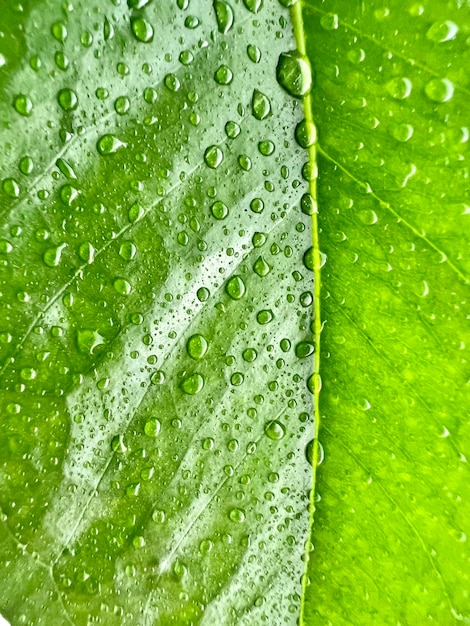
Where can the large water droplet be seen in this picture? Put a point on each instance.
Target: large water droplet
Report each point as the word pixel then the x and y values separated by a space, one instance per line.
pixel 224 16
pixel 261 105
pixel 219 210
pixel 197 346
pixel 11 187
pixel 440 32
pixel 223 75
pixel 23 105
pixel 293 73
pixel 399 87
pixel 51 256
pixel 439 90
pixel 122 286
pixel 261 267
pixel 109 144
pixel 305 134
pixel 237 515
pixel 67 99
pixel 213 157
pixel 235 287
pixel 88 340
pixel 152 427
pixel 142 30
pixel 265 316
pixel 275 430
pixel 192 384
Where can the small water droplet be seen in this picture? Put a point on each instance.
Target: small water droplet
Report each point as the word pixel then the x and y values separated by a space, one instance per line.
pixel 266 147
pixel 219 210
pixel 275 430
pixel 235 287
pixel 224 16
pixel 172 82
pixel 152 427
pixel 67 99
pixel 308 259
pixel 232 129
pixel 329 21
pixel 440 32
pixel 157 378
pixel 192 384
pixel 122 286
pixel 109 144
pixel 265 317
pixel 142 30
pixel 249 355
pixel 11 187
pixel 403 132
pixel 117 444
pixel 237 515
pixel 127 251
pixel 439 90
pixel 261 267
pixel 213 157
pixel 88 340
pixel 122 105
pixel 260 104
pixel 197 346
pixel 86 252
pixel 23 105
pixel 59 32
pixel 257 205
pixel 293 73
pixel 254 53
pixel 51 256
pixel 304 349
pixel 223 75
pixel 399 87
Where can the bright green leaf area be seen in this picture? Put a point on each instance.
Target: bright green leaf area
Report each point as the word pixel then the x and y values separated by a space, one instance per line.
pixel 392 522
pixel 156 315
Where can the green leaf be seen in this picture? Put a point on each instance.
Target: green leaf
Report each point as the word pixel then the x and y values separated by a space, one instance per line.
pixel 155 413
pixel 391 103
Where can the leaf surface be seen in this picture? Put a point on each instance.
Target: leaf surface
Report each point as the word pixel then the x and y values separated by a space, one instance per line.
pixel 156 340
pixel 390 101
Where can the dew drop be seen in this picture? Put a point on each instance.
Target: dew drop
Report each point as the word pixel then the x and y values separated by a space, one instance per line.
pixel 122 286
pixel 197 346
pixel 59 32
pixel 257 205
pixel 172 82
pixel 122 105
pixel 260 104
pixel 232 129
pixel 237 515
pixel 66 169
pixel 329 21
pixel 224 16
pixel 192 384
pixel 109 144
pixel 23 105
pixel 308 259
pixel 275 430
pixel 219 210
pixel 235 287
pixel 213 157
pixel 11 187
pixel 142 30
pixel 117 444
pixel 304 349
pixel 127 251
pixel 254 53
pixel 265 317
pixel 305 134
pixel 86 252
pixel 157 378
pixel 293 73
pixel 399 87
pixel 88 340
pixel 249 355
pixel 223 75
pixel 439 90
pixel 67 99
pixel 261 267
pixel 51 256
pixel 152 427
pixel 440 32
pixel 403 132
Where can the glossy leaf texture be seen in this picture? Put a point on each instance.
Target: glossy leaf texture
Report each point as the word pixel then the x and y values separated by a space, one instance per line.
pixel 391 103
pixel 156 319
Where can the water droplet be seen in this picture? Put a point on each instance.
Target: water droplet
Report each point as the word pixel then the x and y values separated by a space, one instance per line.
pixel 224 16
pixel 26 165
pixel 86 252
pixel 305 134
pixel 122 286
pixel 51 256
pixel 254 53
pixel 152 427
pixel 117 444
pixel 308 259
pixel 59 32
pixel 223 75
pixel 137 4
pixel 266 147
pixel 304 349
pixel 275 430
pixel 135 213
pixel 439 90
pixel 329 21
pixel 265 316
pixel 122 105
pixel 66 169
pixel 440 32
pixel 232 130
pixel 399 87
pixel 235 287
pixel 157 378
pixel 11 187
pixel 260 104
pixel 109 144
pixel 197 346
pixel 158 516
pixel 205 546
pixel 237 379
pixel 108 29
pixel 208 443
pixel 23 105
pixel 237 515
pixel 67 99
pixel 244 162
pixel 28 373
pixel 259 239
pixel 68 194
pixel 192 384
pixel 203 294
pixel 5 246
pixel 261 267
pixel 142 30
pixel 257 205
pixel 172 82
pixel 293 73
pixel 307 204
pixel 127 251
pixel 249 355
pixel 403 132
pixel 88 340
pixel 213 157
pixel 219 210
